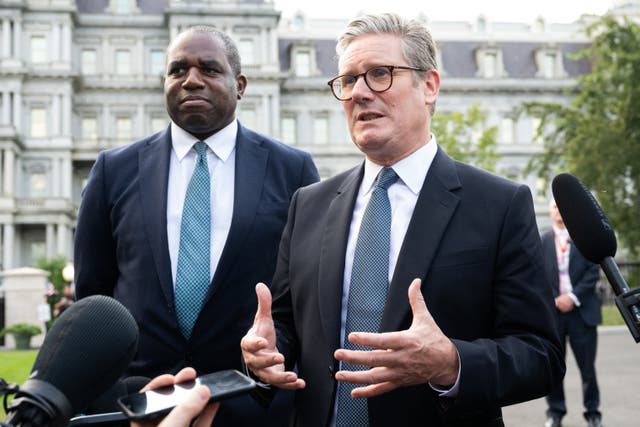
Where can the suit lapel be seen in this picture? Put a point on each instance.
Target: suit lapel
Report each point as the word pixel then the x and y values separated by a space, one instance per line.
pixel 332 253
pixel 153 161
pixel 434 208
pixel 250 170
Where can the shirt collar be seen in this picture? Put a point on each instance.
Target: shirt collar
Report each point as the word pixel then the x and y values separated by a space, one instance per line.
pixel 221 143
pixel 412 170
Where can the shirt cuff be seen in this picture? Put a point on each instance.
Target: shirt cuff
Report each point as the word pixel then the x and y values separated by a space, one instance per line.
pixel 453 390
pixel 574 298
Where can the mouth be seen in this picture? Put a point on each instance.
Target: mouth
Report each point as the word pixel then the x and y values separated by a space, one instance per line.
pixel 368 116
pixel 194 100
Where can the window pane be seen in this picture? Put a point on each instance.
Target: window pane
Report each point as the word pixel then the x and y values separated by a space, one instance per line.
pixel 38 122
pixel 157 63
pixel 549 65
pixel 288 130
pixel 39 51
pixel 123 62
pixel 506 131
pixel 303 64
pixel 123 129
pixel 247 51
pixel 88 58
pixel 37 185
pixel 490 62
pixel 320 130
pixel 89 128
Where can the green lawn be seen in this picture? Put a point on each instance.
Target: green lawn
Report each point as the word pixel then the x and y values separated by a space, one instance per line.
pixel 611 315
pixel 15 367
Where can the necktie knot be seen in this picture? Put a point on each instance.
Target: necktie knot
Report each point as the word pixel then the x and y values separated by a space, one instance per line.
pixel 201 149
pixel 386 178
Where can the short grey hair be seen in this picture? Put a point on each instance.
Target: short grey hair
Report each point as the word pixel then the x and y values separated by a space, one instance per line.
pixel 418 46
pixel 233 56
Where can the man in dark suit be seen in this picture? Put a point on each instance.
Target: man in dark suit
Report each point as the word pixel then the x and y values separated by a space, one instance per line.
pixel 573 281
pixel 465 323
pixel 131 226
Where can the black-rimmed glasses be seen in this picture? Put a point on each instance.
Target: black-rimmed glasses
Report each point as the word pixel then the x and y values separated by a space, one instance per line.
pixel 378 79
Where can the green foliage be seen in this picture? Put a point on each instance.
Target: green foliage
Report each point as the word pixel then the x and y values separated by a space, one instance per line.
pixel 597 136
pixel 25 329
pixel 465 136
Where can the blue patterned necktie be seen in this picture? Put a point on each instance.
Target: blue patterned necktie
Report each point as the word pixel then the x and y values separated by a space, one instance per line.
pixel 367 290
pixel 192 277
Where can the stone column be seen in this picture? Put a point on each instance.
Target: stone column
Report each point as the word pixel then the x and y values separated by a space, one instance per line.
pixel 6 38
pixel 9 157
pixel 7 254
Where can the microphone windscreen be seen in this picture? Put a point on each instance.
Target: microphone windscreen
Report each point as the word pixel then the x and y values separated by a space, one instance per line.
pixel 107 401
pixel 87 349
pixel 582 215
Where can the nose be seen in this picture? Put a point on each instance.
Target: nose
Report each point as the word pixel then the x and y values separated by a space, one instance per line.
pixel 193 78
pixel 361 90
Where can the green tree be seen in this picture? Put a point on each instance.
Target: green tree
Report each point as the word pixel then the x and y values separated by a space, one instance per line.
pixel 465 136
pixel 597 135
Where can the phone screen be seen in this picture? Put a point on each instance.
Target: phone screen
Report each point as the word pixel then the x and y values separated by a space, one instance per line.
pixel 160 401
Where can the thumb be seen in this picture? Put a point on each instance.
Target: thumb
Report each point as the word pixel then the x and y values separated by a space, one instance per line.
pixel 264 302
pixel 418 306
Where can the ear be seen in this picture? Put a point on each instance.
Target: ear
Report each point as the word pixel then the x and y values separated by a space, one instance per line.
pixel 431 81
pixel 241 85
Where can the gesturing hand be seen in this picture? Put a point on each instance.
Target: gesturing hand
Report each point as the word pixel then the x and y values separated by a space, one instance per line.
pixel 259 347
pixel 420 354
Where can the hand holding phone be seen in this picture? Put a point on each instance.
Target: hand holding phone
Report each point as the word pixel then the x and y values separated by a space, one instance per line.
pixel 152 404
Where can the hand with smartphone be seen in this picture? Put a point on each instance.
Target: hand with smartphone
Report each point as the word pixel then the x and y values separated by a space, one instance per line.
pixel 193 405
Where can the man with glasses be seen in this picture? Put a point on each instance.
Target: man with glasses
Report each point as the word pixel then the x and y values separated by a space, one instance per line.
pixel 409 290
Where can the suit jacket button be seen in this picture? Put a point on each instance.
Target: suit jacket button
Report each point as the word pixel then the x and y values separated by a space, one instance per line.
pixel 331 372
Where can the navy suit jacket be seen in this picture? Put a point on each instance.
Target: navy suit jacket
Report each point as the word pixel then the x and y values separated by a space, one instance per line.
pixel 474 242
pixel 121 247
pixel 583 274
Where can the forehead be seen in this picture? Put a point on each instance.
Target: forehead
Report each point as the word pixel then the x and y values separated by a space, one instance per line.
pixel 198 45
pixel 371 49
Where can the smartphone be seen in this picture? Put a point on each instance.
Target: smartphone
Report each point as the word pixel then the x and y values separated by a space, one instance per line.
pixel 158 402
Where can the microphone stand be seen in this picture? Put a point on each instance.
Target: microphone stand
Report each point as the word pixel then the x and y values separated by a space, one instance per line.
pixel 627 300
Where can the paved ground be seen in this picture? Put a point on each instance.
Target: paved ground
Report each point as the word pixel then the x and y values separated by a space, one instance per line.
pixel 618 369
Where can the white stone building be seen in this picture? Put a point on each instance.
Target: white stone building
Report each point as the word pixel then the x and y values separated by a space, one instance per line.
pixel 77 77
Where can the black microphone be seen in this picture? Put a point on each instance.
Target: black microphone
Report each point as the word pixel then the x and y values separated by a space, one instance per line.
pixel 107 401
pixel 592 234
pixel 85 352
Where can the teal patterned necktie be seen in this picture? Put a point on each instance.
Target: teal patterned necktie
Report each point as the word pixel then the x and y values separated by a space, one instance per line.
pixel 367 290
pixel 192 277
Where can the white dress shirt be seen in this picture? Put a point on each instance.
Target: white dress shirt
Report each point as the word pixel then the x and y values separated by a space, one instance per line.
pixel 221 161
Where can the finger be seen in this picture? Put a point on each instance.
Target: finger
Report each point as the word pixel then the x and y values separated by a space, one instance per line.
pixel 263 360
pixel 368 357
pixel 373 390
pixel 185 374
pixel 252 343
pixel 418 306
pixel 279 378
pixel 192 405
pixel 380 341
pixel 369 376
pixel 264 302
pixel 159 381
